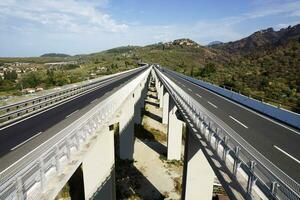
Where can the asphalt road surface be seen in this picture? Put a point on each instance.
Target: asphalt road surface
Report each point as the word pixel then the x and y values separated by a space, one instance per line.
pixel 278 142
pixel 19 139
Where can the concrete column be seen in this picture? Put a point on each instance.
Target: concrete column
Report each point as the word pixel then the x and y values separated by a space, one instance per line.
pixel 157 86
pixel 175 128
pixel 161 95
pixel 166 101
pixel 138 101
pixel 126 128
pixel 98 167
pixel 198 177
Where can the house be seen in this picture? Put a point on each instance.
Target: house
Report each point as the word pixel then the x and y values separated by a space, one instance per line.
pixel 38 89
pixel 28 90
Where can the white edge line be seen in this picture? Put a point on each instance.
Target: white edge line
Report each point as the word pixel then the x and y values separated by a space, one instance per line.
pixel 213 105
pixel 244 107
pixel 248 143
pixel 33 150
pixel 292 157
pixel 51 107
pixel 72 113
pixel 26 141
pixel 93 101
pixel 238 121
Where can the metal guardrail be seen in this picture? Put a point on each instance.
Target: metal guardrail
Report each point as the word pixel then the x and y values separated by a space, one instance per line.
pixel 275 112
pixel 240 157
pixel 20 109
pixel 34 171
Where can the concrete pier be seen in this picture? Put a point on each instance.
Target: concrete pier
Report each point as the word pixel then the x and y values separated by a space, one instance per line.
pixel 166 103
pixel 175 129
pixel 126 128
pixel 161 95
pixel 198 175
pixel 98 167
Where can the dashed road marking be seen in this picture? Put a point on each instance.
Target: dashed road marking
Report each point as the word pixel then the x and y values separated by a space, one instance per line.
pixel 238 121
pixel 93 101
pixel 284 152
pixel 72 113
pixel 189 89
pixel 213 105
pixel 199 95
pixel 25 141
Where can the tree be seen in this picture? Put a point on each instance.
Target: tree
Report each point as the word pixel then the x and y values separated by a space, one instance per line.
pixel 209 69
pixel 10 75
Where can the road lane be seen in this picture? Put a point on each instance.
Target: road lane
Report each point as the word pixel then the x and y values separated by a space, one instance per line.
pixel 261 132
pixel 52 121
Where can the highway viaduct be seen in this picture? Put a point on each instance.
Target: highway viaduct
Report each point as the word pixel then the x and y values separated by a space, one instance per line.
pixel 78 137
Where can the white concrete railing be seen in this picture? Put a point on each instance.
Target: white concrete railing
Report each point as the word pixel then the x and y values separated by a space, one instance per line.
pixel 28 177
pixel 14 111
pixel 251 169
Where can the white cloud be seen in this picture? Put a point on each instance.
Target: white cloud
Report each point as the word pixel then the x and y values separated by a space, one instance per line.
pixel 68 15
pixel 80 26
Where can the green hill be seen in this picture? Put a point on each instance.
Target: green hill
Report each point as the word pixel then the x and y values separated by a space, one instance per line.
pixel 264 65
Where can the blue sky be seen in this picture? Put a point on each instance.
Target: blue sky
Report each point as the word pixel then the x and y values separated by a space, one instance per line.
pixel 34 27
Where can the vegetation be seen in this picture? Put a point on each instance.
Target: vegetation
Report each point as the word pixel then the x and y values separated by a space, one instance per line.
pixel 55 55
pixel 264 65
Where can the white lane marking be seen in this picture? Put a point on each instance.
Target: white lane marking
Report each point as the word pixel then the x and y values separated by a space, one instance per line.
pixel 25 141
pixel 105 83
pixel 238 121
pixel 248 109
pixel 213 105
pixel 199 95
pixel 295 159
pixel 93 101
pixel 189 89
pixel 72 113
pixel 183 85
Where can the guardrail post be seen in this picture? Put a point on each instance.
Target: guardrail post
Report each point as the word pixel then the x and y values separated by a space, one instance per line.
pixel 42 174
pixel 68 149
pixel 274 187
pixel 20 189
pixel 251 179
pixel 211 135
pixel 225 149
pixel 237 162
pixel 77 142
pixel 217 144
pixel 57 162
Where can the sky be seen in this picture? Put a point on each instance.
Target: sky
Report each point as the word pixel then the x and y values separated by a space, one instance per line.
pixel 35 27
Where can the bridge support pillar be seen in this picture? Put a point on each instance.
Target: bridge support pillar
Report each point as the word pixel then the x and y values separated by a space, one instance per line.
pixel 140 95
pixel 166 102
pixel 198 176
pixel 138 104
pixel 126 128
pixel 161 95
pixel 98 167
pixel 175 129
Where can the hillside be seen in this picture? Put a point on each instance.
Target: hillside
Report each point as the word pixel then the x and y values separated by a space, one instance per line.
pixel 261 40
pixel 264 65
pixel 55 55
